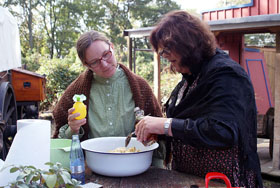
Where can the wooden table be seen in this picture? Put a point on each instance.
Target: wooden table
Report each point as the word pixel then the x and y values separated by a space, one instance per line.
pixel 153 177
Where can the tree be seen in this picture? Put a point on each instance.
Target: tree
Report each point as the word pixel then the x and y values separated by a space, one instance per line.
pixel 261 40
pixel 60 24
pixel 131 14
pixel 50 28
pixel 92 14
pixel 27 8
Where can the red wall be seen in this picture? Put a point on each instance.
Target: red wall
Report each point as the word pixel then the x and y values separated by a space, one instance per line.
pixel 255 66
pixel 252 62
pixel 232 43
pixel 259 7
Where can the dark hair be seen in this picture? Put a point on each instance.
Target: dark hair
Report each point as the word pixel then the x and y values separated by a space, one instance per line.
pixel 185 34
pixel 85 41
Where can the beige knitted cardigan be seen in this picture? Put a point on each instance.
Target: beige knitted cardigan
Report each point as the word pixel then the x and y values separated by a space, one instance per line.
pixel 141 91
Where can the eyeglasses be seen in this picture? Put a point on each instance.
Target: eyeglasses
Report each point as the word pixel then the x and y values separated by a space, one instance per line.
pixel 165 51
pixel 106 56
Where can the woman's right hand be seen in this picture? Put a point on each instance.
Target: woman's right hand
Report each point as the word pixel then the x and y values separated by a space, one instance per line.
pixel 149 126
pixel 74 123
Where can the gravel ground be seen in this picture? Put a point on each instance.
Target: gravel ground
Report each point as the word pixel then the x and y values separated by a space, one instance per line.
pixel 263 151
pixel 271 182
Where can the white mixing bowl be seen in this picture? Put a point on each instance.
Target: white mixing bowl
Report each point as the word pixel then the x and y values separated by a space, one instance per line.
pixel 101 161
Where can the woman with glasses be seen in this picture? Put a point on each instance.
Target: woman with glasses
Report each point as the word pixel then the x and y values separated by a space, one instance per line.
pixel 211 113
pixel 112 92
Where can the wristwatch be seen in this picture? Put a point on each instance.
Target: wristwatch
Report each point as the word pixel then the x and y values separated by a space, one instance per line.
pixel 167 124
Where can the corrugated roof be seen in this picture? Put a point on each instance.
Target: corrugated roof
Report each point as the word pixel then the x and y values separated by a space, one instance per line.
pixel 250 24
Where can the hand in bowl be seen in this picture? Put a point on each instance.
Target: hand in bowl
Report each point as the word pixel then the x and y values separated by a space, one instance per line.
pixel 148 127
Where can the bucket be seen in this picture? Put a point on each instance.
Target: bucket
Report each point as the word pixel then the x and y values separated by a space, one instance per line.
pixel 60 151
pixel 217 175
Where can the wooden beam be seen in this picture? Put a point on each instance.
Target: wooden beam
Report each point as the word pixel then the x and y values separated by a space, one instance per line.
pixel 216 33
pixel 134 55
pixel 129 45
pixel 276 139
pixel 274 29
pixel 157 77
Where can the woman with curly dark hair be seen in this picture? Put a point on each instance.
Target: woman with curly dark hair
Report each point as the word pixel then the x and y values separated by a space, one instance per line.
pixel 211 113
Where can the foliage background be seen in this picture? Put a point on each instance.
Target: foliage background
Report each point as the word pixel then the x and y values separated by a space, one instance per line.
pixel 50 28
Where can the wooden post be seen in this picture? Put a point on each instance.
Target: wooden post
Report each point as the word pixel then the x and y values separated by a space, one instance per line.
pixel 129 45
pixel 134 55
pixel 276 140
pixel 157 77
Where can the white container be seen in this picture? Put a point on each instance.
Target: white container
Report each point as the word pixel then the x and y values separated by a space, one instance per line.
pixel 31 146
pixel 100 161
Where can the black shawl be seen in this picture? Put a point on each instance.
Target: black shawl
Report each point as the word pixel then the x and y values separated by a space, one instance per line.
pixel 219 112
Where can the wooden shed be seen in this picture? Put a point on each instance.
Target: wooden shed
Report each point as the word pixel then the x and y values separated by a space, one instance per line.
pixel 229 26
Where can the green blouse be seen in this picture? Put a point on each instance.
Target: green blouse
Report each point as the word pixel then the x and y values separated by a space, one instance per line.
pixel 111 106
pixel 110 110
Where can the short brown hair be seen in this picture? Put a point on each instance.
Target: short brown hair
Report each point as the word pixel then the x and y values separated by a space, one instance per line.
pixel 185 34
pixel 85 41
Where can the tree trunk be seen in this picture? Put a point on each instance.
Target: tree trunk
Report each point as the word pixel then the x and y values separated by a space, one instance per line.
pixel 30 16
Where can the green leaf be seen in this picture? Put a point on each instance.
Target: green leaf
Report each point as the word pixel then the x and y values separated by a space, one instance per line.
pixel 28 170
pixel 58 164
pixel 51 180
pixel 21 177
pixel 66 177
pixel 14 169
pixel 49 164
pixel 31 167
pixel 29 178
pixel 76 182
pixel 36 178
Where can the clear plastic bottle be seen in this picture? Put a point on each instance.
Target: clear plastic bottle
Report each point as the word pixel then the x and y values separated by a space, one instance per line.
pixel 77 161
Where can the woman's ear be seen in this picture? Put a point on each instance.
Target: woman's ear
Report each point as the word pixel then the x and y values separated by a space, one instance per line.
pixel 112 45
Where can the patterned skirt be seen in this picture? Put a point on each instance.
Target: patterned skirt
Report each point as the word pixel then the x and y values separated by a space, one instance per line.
pixel 200 161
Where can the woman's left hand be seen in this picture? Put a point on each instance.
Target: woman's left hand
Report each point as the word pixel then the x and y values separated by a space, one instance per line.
pixel 148 126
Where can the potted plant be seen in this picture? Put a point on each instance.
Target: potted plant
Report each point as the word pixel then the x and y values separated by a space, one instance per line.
pixel 55 177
